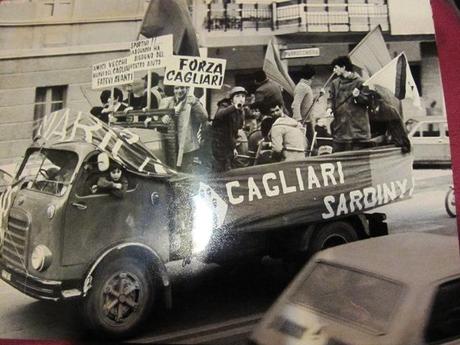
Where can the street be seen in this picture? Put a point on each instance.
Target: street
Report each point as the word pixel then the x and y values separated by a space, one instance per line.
pixel 213 304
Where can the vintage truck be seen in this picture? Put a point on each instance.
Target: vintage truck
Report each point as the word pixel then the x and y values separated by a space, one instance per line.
pixel 61 239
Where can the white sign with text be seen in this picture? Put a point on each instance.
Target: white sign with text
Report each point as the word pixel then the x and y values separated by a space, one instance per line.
pixel 111 73
pixel 194 71
pixel 150 53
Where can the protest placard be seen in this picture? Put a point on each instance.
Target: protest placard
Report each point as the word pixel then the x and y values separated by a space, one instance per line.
pixel 194 71
pixel 111 73
pixel 150 53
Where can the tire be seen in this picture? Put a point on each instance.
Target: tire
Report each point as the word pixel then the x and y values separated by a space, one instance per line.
pixel 449 203
pixel 331 235
pixel 128 310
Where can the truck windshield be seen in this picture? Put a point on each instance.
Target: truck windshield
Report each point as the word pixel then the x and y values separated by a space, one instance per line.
pixel 48 171
pixel 349 295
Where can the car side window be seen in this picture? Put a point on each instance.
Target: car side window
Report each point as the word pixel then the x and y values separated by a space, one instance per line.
pixel 444 322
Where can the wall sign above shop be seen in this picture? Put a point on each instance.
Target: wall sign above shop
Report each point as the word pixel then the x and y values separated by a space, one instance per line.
pixel 299 53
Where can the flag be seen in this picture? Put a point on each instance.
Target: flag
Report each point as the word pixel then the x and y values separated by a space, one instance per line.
pixel 371 53
pixel 171 17
pixel 396 77
pixel 275 70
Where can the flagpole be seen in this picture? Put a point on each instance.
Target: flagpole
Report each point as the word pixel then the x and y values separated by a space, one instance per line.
pixel 317 98
pixel 149 93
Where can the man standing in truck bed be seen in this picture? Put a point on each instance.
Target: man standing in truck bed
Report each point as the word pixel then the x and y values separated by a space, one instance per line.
pixel 350 128
pixel 190 115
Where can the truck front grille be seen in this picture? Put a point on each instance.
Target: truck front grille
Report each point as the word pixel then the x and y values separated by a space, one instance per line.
pixel 15 241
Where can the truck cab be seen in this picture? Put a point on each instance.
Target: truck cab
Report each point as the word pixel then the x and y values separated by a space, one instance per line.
pixel 61 230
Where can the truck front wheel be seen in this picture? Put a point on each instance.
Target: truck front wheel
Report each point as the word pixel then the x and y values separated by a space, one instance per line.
pixel 331 235
pixel 120 298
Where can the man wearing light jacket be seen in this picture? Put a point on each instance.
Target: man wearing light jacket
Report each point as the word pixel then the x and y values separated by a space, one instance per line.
pixel 287 136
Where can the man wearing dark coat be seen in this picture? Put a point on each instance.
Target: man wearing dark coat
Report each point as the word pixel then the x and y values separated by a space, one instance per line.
pixel 267 93
pixel 350 128
pixel 228 120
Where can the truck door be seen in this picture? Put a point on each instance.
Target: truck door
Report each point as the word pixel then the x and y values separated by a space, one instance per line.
pixel 97 220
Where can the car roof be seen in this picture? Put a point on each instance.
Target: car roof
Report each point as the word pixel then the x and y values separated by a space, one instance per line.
pixel 411 258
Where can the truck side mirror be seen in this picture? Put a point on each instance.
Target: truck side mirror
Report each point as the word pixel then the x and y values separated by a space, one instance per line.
pixel 103 161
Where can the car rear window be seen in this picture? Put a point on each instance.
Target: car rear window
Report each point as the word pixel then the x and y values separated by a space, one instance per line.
pixel 354 296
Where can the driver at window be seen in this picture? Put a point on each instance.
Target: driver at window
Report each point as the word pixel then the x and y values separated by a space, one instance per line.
pixel 115 183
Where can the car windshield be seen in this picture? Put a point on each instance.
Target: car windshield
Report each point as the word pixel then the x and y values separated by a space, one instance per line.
pixel 346 294
pixel 48 171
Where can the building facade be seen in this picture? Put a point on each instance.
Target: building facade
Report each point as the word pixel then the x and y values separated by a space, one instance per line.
pixel 47 47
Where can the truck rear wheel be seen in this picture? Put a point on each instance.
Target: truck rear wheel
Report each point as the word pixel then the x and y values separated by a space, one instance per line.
pixel 120 298
pixel 331 235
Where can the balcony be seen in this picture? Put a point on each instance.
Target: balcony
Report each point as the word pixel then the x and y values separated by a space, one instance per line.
pixel 243 20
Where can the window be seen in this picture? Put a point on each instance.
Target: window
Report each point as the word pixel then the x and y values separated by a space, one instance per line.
pixel 355 297
pixel 47 100
pixel 444 322
pixel 49 171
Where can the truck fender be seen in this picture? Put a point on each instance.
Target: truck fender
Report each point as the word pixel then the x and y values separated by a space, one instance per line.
pixel 156 260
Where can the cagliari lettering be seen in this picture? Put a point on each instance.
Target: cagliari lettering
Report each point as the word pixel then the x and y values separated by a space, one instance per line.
pixel 275 183
pixel 175 76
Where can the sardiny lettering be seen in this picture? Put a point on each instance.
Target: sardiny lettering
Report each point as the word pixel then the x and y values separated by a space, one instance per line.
pixel 194 71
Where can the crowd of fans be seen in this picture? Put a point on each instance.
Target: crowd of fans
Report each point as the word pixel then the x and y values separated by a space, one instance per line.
pixel 267 126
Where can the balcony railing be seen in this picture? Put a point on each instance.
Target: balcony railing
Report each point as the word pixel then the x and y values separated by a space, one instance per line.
pixel 298 16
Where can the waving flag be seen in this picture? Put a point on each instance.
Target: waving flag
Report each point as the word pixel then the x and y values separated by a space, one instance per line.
pixel 171 17
pixel 371 54
pixel 397 77
pixel 275 70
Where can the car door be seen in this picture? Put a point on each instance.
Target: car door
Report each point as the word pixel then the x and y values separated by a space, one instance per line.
pixel 96 220
pixel 428 142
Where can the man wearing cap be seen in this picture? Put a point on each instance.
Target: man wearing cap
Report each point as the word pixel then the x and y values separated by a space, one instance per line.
pixel 228 120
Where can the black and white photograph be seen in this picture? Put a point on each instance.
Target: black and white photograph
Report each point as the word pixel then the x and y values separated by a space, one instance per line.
pixel 225 172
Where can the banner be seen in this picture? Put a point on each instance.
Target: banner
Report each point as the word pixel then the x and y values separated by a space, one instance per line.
pixel 122 145
pixel 112 73
pixel 275 70
pixel 150 53
pixel 193 71
pixel 396 77
pixel 316 189
pixel 371 53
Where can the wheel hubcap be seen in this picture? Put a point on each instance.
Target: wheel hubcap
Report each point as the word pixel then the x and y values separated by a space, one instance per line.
pixel 334 240
pixel 121 296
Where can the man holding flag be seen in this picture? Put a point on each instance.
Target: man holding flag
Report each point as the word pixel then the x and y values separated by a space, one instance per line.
pixel 350 128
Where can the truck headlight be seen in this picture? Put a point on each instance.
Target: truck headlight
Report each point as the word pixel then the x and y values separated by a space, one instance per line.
pixel 41 258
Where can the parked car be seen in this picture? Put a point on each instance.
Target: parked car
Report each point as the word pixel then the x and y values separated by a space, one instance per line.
pixel 429 136
pixel 398 289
